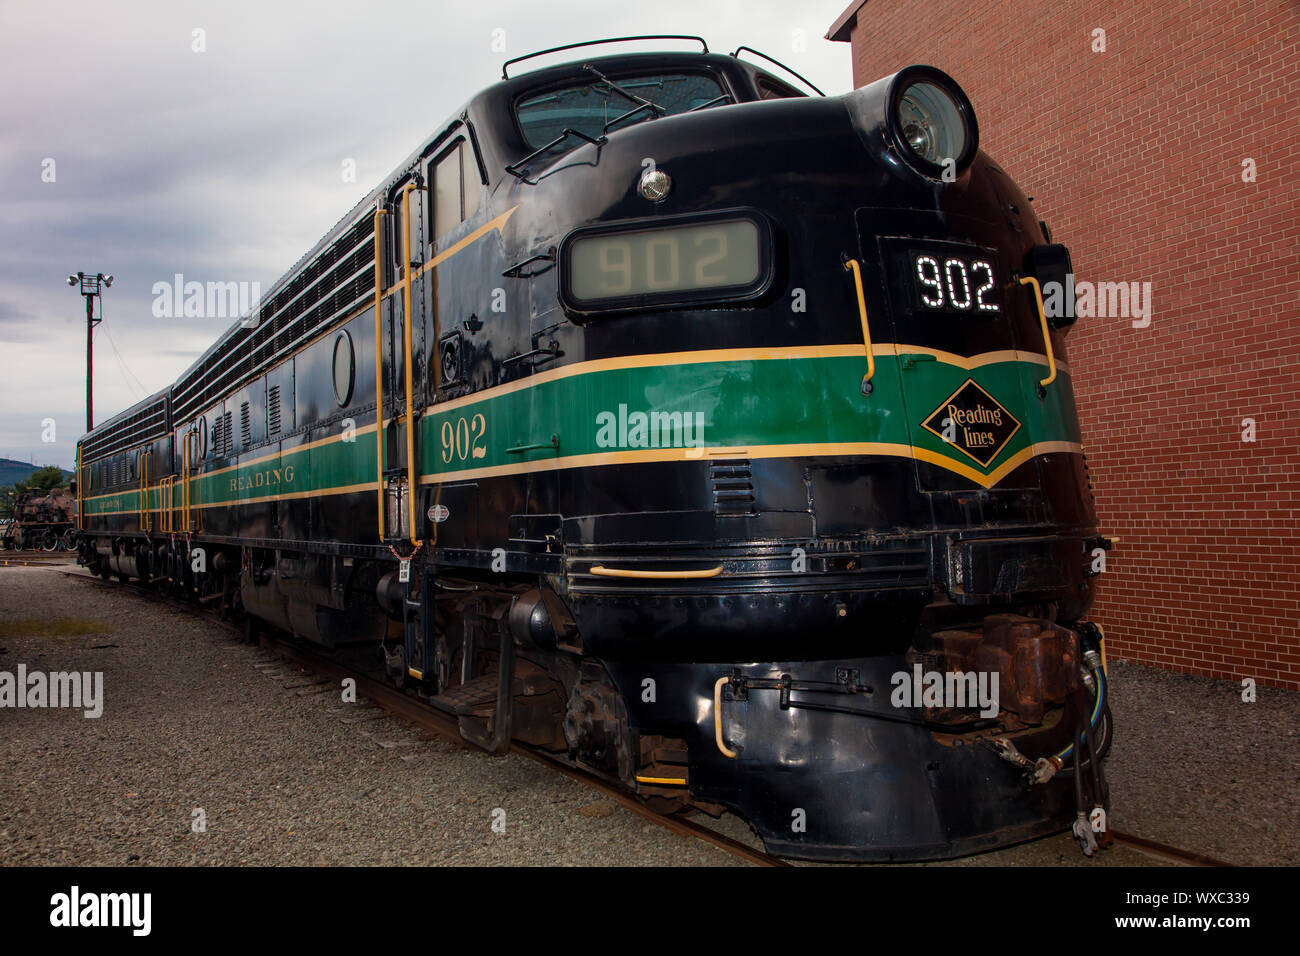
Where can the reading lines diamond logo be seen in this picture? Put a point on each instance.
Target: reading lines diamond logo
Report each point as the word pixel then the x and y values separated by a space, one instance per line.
pixel 974 422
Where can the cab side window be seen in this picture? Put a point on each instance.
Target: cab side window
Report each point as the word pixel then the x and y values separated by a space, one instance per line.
pixel 772 90
pixel 455 188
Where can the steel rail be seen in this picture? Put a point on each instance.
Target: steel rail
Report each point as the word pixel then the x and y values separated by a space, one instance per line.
pixel 409 708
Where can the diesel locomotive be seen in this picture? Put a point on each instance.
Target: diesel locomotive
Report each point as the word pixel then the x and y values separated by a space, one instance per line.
pixel 662 412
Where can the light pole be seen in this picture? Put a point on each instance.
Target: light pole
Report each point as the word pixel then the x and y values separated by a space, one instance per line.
pixel 90 290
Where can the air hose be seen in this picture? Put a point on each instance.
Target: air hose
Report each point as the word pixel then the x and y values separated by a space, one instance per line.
pixel 1044 768
pixel 1099 706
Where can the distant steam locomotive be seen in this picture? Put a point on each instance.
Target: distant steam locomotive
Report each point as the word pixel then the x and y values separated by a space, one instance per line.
pixel 40 522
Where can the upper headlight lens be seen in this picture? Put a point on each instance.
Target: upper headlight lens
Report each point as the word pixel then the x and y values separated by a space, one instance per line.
pixel 932 123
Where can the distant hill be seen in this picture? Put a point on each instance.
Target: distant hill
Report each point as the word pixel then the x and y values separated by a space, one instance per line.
pixel 11 471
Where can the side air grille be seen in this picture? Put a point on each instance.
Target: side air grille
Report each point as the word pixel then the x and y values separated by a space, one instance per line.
pixel 245 425
pixel 334 279
pixel 733 487
pixel 273 412
pixel 144 423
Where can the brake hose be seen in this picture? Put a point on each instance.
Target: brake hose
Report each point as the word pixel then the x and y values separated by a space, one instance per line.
pixel 1059 757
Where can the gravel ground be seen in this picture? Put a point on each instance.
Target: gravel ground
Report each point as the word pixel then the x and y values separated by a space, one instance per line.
pixel 284 772
pixel 1196 767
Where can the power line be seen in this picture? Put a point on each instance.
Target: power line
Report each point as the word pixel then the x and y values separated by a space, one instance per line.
pixel 143 390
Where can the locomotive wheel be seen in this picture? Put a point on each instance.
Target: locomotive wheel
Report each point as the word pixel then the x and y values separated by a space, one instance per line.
pixel 68 541
pixel 674 805
pixel 49 541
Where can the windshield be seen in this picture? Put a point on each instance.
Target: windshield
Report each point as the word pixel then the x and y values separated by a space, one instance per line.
pixel 591 108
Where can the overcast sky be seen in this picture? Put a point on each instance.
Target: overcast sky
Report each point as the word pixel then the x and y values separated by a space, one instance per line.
pixel 227 164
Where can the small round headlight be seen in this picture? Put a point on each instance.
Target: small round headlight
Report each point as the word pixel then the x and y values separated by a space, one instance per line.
pixel 932 123
pixel 655 184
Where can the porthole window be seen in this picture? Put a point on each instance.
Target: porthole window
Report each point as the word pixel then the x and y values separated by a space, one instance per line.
pixel 344 368
pixel 203 438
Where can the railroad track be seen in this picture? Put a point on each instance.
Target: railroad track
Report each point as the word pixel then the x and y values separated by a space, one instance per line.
pixel 1165 851
pixel 411 709
pixel 35 558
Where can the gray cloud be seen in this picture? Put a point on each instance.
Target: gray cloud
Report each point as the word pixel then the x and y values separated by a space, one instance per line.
pixel 225 165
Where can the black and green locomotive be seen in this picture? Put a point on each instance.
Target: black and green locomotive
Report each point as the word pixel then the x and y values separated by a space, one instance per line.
pixel 657 412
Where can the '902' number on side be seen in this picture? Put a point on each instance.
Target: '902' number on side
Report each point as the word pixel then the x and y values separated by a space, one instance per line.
pixel 956 284
pixel 464 439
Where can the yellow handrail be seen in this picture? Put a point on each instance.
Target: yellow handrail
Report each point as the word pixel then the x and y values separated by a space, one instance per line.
pixel 143 514
pixel 81 521
pixel 605 572
pixel 408 321
pixel 165 510
pixel 717 719
pixel 185 482
pixel 379 367
pixel 1047 333
pixel 852 266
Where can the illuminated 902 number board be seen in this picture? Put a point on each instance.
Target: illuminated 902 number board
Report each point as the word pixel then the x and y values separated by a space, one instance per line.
pixel 956 283
pixel 946 279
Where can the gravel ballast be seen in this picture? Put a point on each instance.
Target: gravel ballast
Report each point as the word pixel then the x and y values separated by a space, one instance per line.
pixel 197 727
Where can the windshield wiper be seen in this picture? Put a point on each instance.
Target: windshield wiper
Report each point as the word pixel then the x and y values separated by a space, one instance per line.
pixel 713 102
pixel 517 168
pixel 628 115
pixel 642 104
pixel 641 101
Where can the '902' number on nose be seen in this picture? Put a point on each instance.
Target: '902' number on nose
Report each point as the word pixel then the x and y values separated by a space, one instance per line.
pixel 956 284
pixel 464 439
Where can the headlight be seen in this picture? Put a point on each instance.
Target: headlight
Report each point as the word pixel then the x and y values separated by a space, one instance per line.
pixel 931 123
pixel 928 120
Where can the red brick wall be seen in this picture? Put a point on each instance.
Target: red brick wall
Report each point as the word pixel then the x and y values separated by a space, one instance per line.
pixel 1134 157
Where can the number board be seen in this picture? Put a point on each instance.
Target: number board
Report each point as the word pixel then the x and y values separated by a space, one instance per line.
pixel 948 279
pixel 666 262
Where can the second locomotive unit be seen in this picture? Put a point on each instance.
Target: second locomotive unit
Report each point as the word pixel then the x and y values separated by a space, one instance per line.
pixel 658 413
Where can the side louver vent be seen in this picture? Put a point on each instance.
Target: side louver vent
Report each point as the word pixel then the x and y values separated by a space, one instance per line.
pixel 245 426
pixel 733 487
pixel 273 412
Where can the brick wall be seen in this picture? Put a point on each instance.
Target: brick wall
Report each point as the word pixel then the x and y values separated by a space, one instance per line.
pixel 1134 157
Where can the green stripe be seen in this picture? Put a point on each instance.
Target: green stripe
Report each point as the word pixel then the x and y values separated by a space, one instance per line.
pixel 754 402
pixel 741 403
